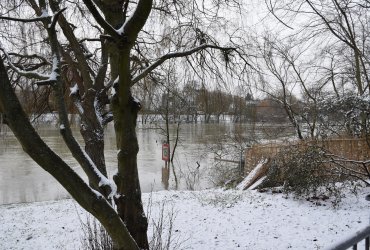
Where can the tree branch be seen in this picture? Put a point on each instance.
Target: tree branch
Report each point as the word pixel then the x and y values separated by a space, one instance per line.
pixel 55 18
pixel 36 19
pixel 161 60
pixel 68 32
pixel 271 10
pixel 100 20
pixel 328 25
pixel 96 178
pixel 30 74
pixel 136 21
pixel 23 20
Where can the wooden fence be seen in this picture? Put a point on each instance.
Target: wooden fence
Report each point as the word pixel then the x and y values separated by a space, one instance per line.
pixel 352 148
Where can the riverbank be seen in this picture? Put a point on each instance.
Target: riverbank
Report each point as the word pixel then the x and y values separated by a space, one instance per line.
pixel 209 219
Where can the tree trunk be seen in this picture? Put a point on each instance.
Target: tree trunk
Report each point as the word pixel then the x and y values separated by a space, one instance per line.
pixel 360 91
pixel 125 111
pixel 92 131
pixel 129 205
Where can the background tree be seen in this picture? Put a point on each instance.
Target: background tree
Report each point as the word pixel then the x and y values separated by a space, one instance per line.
pixel 338 31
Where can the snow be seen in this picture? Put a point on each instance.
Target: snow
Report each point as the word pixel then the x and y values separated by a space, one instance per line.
pixel 107 182
pixel 252 175
pixel 102 179
pixel 62 127
pixel 54 74
pixel 113 91
pixel 116 81
pixel 74 89
pixel 136 100
pixel 44 13
pixel 257 183
pixel 97 113
pixel 121 30
pixel 79 107
pixel 99 195
pixel 208 219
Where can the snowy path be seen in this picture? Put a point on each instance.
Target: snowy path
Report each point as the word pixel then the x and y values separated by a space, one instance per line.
pixel 211 219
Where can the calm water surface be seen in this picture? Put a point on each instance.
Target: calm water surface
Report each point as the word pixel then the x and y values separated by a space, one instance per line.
pixel 21 180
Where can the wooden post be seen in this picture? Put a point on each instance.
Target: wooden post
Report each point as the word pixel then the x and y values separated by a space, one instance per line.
pixel 166 170
pixel 1 122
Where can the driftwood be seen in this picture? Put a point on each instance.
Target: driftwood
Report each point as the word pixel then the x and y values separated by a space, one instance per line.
pixel 256 174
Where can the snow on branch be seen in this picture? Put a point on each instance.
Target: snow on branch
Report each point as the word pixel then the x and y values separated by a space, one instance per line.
pixel 104 183
pixel 137 19
pixel 100 20
pixel 74 90
pixel 107 118
pixel 44 79
pixel 161 60
pixel 52 79
pixel 76 98
pixel 30 74
pixel 43 17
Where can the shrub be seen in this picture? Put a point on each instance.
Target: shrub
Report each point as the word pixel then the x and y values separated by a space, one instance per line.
pixel 306 172
pixel 95 236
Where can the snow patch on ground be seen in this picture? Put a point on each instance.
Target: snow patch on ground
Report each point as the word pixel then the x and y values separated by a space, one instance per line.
pixel 209 219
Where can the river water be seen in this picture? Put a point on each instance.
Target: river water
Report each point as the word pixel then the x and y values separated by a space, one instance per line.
pixel 21 180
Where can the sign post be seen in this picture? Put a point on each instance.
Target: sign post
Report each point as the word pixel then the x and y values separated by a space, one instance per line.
pixel 166 152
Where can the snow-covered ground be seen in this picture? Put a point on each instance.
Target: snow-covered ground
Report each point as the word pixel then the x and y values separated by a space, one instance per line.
pixel 209 219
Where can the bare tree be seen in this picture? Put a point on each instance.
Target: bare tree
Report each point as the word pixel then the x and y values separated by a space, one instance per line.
pixel 281 65
pixel 120 57
pixel 339 30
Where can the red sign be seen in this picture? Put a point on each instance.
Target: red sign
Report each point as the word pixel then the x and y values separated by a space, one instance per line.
pixel 166 152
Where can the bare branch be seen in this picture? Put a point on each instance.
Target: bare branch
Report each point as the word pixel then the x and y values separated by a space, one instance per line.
pixel 23 20
pixel 271 10
pixel 47 82
pixel 68 32
pixel 30 74
pixel 101 21
pixel 55 18
pixel 136 21
pixel 98 180
pixel 161 60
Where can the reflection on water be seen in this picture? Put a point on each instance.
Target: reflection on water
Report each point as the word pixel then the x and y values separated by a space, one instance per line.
pixel 166 176
pixel 21 180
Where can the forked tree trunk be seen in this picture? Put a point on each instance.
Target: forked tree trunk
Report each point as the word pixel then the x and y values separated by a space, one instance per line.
pixel 36 148
pixel 125 110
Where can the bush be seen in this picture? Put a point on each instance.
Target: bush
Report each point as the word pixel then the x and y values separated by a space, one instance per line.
pixel 306 172
pixel 225 175
pixel 95 236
